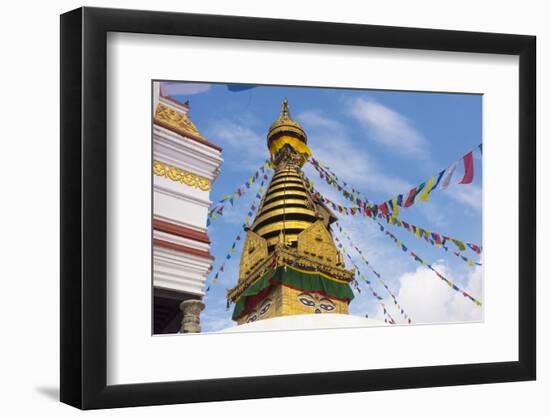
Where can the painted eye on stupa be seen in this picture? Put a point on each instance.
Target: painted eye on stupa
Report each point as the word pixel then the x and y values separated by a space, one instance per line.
pixel 252 317
pixel 326 304
pixel 306 300
pixel 265 306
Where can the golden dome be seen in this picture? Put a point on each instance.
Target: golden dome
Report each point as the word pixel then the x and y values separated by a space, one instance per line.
pixel 284 125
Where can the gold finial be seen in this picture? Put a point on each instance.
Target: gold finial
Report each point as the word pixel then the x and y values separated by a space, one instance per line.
pixel 285 124
pixel 285 113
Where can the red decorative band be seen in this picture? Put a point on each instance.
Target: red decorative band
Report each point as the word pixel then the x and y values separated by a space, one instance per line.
pixel 182 231
pixel 182 248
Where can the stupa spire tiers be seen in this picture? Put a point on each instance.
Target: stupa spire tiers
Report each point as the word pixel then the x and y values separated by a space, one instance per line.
pixel 287 133
pixel 290 264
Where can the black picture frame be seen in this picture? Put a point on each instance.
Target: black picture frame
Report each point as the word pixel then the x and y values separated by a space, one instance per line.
pixel 84 207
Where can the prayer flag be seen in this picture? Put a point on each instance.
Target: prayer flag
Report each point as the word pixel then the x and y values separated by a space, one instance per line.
pixel 425 196
pixel 420 188
pixel 459 244
pixel 438 179
pixel 475 248
pixel 447 179
pixel 395 208
pixel 374 209
pixel 468 169
pixel 410 198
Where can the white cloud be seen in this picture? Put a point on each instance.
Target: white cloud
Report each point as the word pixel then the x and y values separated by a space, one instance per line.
pixel 469 195
pixel 427 299
pixel 331 145
pixel 314 120
pixel 389 128
pixel 184 89
pixel 251 145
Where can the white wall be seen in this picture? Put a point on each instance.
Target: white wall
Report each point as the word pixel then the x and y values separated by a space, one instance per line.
pixel 30 267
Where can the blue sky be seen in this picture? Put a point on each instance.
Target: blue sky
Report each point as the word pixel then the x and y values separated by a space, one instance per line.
pixel 382 143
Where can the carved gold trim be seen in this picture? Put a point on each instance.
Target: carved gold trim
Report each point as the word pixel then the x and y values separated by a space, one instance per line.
pixel 178 121
pixel 282 255
pixel 179 175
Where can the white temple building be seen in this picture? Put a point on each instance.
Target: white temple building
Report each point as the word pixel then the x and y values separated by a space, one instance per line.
pixel 185 164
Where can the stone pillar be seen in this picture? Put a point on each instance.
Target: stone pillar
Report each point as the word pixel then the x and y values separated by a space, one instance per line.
pixel 191 321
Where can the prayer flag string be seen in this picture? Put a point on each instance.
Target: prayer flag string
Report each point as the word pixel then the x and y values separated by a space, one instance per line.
pixel 439 181
pixel 417 258
pixel 376 273
pixel 387 317
pixel 436 239
pixel 390 215
pixel 233 248
pixel 218 209
pixel 400 245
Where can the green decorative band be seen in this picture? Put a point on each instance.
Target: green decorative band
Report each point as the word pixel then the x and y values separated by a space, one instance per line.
pixel 290 277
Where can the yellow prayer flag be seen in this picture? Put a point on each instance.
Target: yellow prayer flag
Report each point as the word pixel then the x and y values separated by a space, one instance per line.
pixel 418 232
pixel 395 211
pixel 459 244
pixel 425 196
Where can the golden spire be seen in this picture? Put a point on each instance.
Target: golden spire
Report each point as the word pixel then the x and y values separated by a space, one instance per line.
pixel 286 131
pixel 289 262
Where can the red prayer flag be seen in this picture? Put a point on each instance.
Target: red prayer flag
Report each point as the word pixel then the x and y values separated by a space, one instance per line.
pixel 468 169
pixel 410 198
pixel 475 248
pixel 383 208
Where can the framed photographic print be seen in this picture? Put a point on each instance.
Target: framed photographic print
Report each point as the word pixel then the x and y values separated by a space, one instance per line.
pixel 258 208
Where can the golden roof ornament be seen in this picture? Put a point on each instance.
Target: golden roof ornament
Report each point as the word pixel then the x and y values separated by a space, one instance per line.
pixel 285 131
pixel 285 125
